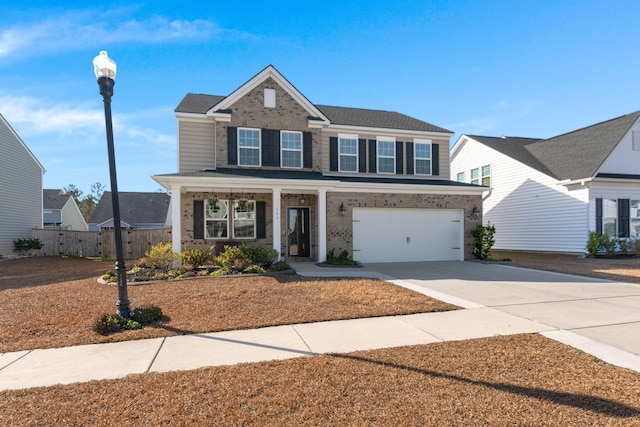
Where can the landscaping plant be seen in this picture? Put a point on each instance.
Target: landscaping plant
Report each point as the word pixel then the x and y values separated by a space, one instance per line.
pixel 483 241
pixel 161 256
pixel 342 259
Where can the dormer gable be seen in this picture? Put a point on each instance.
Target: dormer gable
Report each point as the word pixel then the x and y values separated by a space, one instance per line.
pixel 270 100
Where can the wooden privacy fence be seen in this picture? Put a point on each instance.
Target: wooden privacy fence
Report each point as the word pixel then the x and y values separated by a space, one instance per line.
pixel 99 243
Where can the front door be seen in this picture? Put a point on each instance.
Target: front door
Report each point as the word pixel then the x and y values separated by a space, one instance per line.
pixel 298 232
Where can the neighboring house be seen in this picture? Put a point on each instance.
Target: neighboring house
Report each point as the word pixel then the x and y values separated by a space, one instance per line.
pixel 60 211
pixel 547 195
pixel 264 166
pixel 20 189
pixel 137 211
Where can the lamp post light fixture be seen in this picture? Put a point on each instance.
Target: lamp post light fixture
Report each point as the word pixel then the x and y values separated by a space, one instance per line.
pixel 105 71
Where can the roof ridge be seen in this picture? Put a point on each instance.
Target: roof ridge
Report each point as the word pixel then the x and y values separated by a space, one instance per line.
pixel 593 125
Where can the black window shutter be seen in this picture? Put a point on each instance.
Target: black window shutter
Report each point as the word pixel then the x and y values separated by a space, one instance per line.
pixel 399 158
pixel 410 158
pixel 623 217
pixel 198 219
pixel 261 220
pixel 307 150
pixel 270 147
pixel 435 159
pixel 333 153
pixel 232 145
pixel 599 215
pixel 373 159
pixel 362 155
pixel 266 147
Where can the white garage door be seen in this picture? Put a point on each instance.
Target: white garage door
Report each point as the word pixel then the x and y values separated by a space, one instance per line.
pixel 404 235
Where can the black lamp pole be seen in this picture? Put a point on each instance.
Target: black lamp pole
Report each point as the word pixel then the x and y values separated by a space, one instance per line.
pixel 124 306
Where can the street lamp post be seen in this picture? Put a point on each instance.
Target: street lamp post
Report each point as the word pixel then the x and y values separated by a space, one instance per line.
pixel 105 70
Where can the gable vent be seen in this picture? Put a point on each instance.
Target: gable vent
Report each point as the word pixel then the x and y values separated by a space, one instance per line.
pixel 270 98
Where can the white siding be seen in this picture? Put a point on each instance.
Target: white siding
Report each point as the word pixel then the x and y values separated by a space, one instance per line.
pixel 623 159
pixel 196 147
pixel 72 217
pixel 20 190
pixel 529 210
pixel 610 190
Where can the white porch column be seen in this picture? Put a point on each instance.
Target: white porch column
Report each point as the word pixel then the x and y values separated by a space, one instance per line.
pixel 277 229
pixel 322 225
pixel 176 219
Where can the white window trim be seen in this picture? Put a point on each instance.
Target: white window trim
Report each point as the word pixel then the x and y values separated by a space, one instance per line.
pixel 282 150
pixel 342 136
pixel 464 176
pixel 483 176
pixel 233 228
pixel 477 179
pixel 380 139
pixel 259 148
pixel 415 157
pixel 206 220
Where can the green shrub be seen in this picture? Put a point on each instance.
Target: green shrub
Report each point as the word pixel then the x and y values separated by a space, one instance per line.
pixel 279 266
pixel 196 257
pixel 342 259
pixel 483 241
pixel 109 323
pixel 161 256
pixel 146 314
pixel 240 257
pixel 27 244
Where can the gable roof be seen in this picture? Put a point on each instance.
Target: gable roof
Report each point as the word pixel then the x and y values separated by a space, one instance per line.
pixel 135 208
pixel 574 155
pixel 206 104
pixel 54 199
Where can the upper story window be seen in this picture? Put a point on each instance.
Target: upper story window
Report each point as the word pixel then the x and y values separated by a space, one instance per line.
pixel 422 156
pixel 248 147
pixel 474 176
pixel 291 149
pixel 348 152
pixel 386 152
pixel 460 177
pixel 486 175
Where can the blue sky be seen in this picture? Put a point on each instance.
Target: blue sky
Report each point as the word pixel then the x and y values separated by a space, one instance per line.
pixel 534 68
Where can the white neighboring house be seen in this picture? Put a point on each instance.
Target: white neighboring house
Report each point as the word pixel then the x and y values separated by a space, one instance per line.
pixel 60 211
pixel 20 189
pixel 548 194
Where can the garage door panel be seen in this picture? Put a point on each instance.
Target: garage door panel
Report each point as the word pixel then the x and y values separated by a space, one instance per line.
pixel 404 235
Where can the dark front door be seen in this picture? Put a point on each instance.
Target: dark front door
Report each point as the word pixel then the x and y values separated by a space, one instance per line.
pixel 298 232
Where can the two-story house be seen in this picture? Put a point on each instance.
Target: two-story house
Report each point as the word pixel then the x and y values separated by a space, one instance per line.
pixel 548 194
pixel 60 211
pixel 265 166
pixel 20 189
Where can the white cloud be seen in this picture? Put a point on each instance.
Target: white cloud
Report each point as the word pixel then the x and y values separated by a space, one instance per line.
pixel 78 30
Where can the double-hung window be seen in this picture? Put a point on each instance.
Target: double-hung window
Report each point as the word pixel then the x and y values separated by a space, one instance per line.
pixel 248 147
pixel 244 219
pixel 348 151
pixel 422 156
pixel 634 216
pixel 486 175
pixel 291 149
pixel 610 217
pixel 460 177
pixel 386 152
pixel 474 176
pixel 216 220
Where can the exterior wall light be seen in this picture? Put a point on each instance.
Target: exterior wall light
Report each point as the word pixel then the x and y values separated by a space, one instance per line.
pixel 342 211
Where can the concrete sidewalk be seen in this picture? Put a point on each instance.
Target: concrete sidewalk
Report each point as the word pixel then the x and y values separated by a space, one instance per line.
pixel 462 284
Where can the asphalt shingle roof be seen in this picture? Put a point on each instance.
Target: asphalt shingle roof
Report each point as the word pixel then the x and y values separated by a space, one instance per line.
pixel 54 199
pixel 135 208
pixel 569 156
pixel 200 104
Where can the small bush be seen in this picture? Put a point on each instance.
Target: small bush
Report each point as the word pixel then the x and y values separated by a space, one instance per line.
pixel 161 256
pixel 140 316
pixel 146 314
pixel 109 323
pixel 342 259
pixel 27 244
pixel 240 257
pixel 483 241
pixel 196 257
pixel 279 266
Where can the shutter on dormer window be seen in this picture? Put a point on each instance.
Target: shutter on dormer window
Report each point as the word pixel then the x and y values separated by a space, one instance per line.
pixel 599 215
pixel 198 219
pixel 623 217
pixel 362 155
pixel 333 153
pixel 410 158
pixel 373 160
pixel 399 158
pixel 435 159
pixel 232 145
pixel 307 150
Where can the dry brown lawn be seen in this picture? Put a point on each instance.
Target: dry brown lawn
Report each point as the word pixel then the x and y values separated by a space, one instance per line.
pixel 54 302
pixel 521 380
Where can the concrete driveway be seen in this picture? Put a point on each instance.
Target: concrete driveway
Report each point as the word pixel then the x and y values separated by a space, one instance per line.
pixel 581 308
